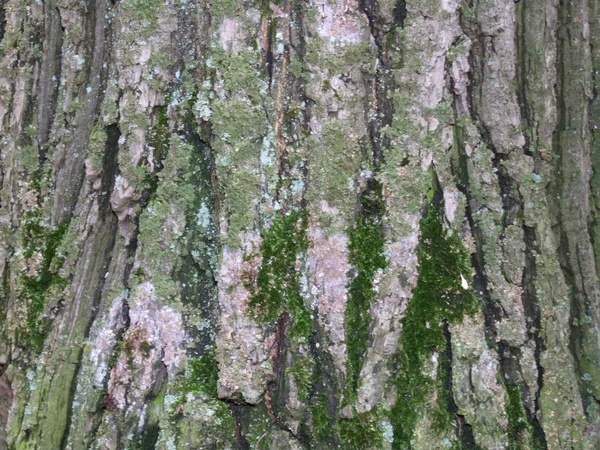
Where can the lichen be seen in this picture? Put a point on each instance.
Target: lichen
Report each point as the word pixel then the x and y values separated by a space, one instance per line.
pixel 334 160
pixel 438 299
pixel 239 123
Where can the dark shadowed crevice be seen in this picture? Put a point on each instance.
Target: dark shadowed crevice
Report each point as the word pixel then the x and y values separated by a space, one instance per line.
pixel 400 13
pixel 197 275
pixel 2 19
pixel 521 77
pixel 150 437
pixel 382 82
pixel 71 174
pixel 325 393
pixel 110 167
pixel 533 317
pixel 50 73
pixel 239 433
pixel 465 432
pixel 491 312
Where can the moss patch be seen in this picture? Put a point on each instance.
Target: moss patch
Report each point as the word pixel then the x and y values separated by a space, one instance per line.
pixel 366 247
pixel 519 428
pixel 40 239
pixel 160 134
pixel 361 432
pixel 277 288
pixel 438 299
pixel 202 375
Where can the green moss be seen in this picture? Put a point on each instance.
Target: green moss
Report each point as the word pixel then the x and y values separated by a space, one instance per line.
pixel 203 425
pixel 366 247
pixel 321 422
pixel 302 371
pixel 277 289
pixel 438 299
pixel 519 428
pixel 202 375
pixel 362 432
pixel 224 7
pixel 257 427
pixel 38 238
pixel 159 135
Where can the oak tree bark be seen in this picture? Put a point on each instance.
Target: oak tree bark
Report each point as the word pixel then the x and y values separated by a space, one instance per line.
pixel 299 224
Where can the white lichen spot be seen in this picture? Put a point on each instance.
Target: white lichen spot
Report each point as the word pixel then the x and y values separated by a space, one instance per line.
pixel 203 216
pixel 387 431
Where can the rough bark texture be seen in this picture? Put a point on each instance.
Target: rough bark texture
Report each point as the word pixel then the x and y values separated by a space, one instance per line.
pixel 254 224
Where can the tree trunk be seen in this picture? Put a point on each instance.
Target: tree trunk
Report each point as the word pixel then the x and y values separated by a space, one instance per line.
pixel 311 224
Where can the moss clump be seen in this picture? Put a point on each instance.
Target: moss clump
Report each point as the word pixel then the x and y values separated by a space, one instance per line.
pixel 519 428
pixel 321 422
pixel 362 432
pixel 39 239
pixel 438 299
pixel 200 379
pixel 160 135
pixel 202 375
pixel 277 289
pixel 366 249
pixel 302 371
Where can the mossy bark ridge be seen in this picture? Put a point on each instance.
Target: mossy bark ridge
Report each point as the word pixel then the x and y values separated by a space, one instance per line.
pixel 321 224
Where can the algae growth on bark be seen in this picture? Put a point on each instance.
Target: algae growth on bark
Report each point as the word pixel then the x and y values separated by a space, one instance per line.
pixel 299 224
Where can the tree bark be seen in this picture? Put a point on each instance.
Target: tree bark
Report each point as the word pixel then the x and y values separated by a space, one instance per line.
pixel 312 224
